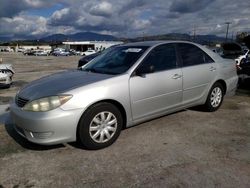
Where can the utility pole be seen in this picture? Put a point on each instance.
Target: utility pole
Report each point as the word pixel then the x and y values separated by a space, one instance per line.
pixel 227 23
pixel 194 35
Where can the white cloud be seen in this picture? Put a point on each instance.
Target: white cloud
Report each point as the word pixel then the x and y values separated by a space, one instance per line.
pixel 35 3
pixel 23 26
pixel 125 18
pixel 102 9
pixel 60 14
pixel 141 24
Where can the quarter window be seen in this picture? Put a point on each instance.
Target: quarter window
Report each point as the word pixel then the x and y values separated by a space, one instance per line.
pixel 192 55
pixel 162 58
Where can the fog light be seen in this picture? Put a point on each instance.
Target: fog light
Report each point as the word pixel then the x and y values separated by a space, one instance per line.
pixel 41 135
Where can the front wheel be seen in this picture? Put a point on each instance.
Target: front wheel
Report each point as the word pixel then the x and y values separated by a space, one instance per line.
pixel 214 98
pixel 100 126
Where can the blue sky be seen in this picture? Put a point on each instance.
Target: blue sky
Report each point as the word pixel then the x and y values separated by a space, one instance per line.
pixel 46 11
pixel 130 18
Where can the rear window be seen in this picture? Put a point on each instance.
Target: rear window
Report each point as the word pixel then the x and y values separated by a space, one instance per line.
pixel 192 55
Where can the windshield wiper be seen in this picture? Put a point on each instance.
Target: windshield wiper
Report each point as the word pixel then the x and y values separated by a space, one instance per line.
pixel 91 70
pixel 98 71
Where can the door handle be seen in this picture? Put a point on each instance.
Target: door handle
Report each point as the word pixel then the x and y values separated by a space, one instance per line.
pixel 212 68
pixel 176 76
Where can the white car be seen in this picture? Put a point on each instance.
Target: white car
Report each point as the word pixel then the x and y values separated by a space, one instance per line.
pixel 88 52
pixel 242 57
pixel 41 53
pixel 20 50
pixel 6 74
pixel 126 85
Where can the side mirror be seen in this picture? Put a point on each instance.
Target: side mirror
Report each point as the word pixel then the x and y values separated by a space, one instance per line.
pixel 144 70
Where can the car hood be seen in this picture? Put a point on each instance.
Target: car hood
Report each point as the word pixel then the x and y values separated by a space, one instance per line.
pixel 60 83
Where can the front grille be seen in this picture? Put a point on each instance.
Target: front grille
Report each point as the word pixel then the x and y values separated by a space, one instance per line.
pixel 20 102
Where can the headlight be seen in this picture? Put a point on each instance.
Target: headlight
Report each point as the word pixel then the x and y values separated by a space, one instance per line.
pixel 47 103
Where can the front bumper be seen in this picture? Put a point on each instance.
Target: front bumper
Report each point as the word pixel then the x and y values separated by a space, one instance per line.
pixel 46 128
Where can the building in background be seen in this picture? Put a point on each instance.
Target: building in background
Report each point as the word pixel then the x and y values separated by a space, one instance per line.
pixel 85 45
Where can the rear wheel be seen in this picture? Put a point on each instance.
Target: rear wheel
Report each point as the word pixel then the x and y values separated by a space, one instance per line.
pixel 215 97
pixel 100 126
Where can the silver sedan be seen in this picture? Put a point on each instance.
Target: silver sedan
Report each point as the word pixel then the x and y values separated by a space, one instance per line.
pixel 124 86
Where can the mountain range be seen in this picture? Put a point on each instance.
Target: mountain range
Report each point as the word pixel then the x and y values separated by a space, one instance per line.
pixel 90 36
pixel 84 36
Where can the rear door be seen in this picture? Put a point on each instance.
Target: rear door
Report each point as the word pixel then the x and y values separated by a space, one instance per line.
pixel 158 91
pixel 198 69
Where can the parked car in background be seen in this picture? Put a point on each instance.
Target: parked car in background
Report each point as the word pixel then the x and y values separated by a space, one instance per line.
pixel 231 50
pixel 41 53
pixel 60 52
pixel 6 75
pixel 88 52
pixel 242 58
pixel 127 85
pixel 28 52
pixel 84 60
pixel 219 51
pixel 244 67
pixel 74 52
pixel 6 49
pixel 20 50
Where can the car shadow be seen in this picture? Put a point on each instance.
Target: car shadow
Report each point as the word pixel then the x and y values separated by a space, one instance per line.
pixel 77 145
pixel 4 86
pixel 9 127
pixel 198 109
pixel 244 86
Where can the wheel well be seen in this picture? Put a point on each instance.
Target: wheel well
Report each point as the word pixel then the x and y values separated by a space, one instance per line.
pixel 119 106
pixel 224 85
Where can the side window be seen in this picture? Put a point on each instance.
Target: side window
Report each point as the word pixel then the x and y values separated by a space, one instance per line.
pixel 162 58
pixel 207 58
pixel 192 55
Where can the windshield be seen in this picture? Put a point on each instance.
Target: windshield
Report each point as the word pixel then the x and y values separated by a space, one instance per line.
pixel 116 60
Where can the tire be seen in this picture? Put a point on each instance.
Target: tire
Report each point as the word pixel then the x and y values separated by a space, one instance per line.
pixel 99 126
pixel 214 98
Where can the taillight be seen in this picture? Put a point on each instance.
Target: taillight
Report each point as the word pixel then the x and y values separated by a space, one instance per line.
pixel 238 67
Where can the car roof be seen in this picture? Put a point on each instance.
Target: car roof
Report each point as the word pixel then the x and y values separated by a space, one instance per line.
pixel 156 43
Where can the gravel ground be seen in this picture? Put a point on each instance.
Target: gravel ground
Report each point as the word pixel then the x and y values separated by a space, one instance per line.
pixel 189 148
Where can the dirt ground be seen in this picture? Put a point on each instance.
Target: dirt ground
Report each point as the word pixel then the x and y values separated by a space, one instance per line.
pixel 185 149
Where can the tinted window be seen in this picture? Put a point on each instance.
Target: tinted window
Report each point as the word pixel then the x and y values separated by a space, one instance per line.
pixel 192 55
pixel 116 60
pixel 162 58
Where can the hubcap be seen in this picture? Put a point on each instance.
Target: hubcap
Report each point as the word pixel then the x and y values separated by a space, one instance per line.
pixel 216 97
pixel 103 127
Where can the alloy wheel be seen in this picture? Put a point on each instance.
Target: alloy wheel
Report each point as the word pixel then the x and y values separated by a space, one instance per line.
pixel 216 97
pixel 103 127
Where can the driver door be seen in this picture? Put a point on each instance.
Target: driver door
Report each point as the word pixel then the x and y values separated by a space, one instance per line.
pixel 157 90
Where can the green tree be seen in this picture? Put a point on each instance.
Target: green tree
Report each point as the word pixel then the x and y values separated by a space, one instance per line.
pixel 240 37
